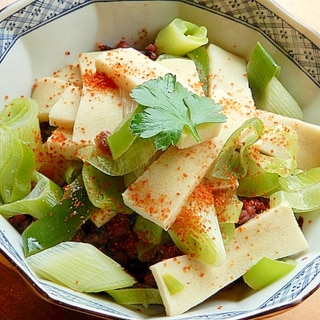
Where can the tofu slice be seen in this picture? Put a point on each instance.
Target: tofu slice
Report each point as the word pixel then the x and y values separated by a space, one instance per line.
pixel 161 191
pixel 228 72
pixel 99 108
pixel 70 73
pixel 63 113
pixel 129 67
pixel 273 234
pixel 60 143
pixel 46 92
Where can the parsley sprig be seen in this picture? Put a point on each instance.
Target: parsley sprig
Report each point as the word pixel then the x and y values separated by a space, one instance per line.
pixel 168 109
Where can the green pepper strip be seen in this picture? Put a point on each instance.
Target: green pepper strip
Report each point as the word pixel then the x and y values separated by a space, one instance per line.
pixel 62 221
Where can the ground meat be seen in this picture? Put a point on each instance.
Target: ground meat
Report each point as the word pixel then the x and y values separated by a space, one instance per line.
pixel 21 221
pixel 101 142
pixel 150 50
pixel 251 207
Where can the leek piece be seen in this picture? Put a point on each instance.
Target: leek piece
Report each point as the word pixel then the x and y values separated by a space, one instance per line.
pixel 104 191
pixel 44 195
pixel 278 147
pixel 267 271
pixel 17 165
pixel 268 92
pixel 72 171
pixel 141 151
pixel 132 176
pixel 256 156
pixel 81 267
pixel 277 99
pixel 122 137
pixel 200 58
pixel 21 117
pixel 231 162
pixel 304 200
pixel 227 230
pixel 261 69
pixel 299 191
pixel 61 222
pixel 180 37
pixel 147 251
pixel 301 180
pixel 196 229
pixel 147 230
pixel 173 285
pixel 258 183
pixel 144 296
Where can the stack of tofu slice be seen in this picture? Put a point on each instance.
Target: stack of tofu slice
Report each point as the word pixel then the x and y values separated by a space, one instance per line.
pixel 80 109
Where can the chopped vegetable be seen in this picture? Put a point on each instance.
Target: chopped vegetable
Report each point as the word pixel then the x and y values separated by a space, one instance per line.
pixel 267 271
pixel 17 165
pixel 139 154
pixel 268 91
pixel 173 285
pixel 44 195
pixel 61 222
pixel 148 231
pixel 95 272
pixel 180 37
pixel 196 229
pixel 201 59
pixel 20 116
pixel 144 296
pixel 249 156
pixel 122 138
pixel 104 191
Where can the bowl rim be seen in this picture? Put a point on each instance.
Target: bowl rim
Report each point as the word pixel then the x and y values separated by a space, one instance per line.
pixel 312 35
pixel 297 28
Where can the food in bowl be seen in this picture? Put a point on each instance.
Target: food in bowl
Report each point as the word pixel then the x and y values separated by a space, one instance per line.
pixel 160 157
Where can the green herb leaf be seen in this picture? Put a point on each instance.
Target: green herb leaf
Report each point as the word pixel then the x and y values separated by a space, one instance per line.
pixel 168 109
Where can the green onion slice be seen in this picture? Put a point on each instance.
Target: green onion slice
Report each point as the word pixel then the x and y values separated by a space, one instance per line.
pixel 180 37
pixel 44 195
pixel 81 267
pixel 267 271
pixel 144 296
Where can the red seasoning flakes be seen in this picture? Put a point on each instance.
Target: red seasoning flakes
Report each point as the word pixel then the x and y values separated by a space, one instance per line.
pixel 98 81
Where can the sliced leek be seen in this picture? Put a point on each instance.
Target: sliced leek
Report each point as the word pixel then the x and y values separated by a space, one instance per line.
pixel 148 231
pixel 267 271
pixel 299 191
pixel 17 165
pixel 144 296
pixel 173 285
pixel 81 267
pixel 268 91
pixel 196 229
pixel 61 222
pixel 141 151
pixel 20 116
pixel 180 37
pixel 45 195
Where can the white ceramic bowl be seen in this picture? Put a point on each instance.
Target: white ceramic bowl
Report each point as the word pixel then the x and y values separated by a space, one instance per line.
pixel 39 37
